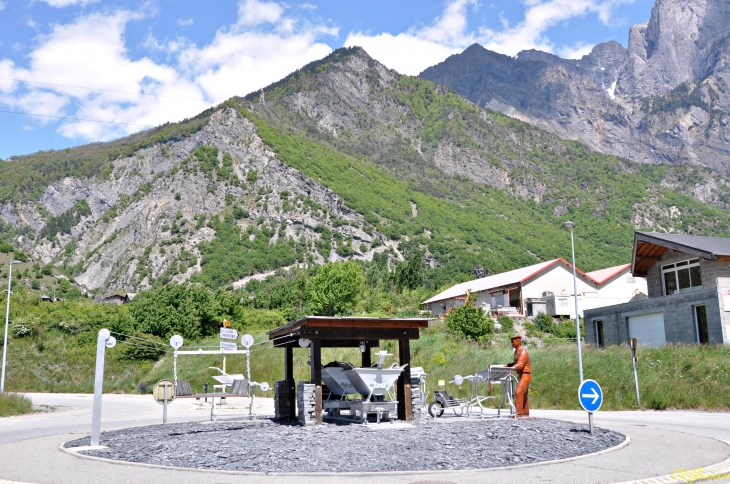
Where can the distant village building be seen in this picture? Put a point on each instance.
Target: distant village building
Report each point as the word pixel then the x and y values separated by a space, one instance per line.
pixel 117 298
pixel 545 287
pixel 688 300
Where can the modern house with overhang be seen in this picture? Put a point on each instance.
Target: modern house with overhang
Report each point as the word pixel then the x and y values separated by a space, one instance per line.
pixel 545 287
pixel 688 283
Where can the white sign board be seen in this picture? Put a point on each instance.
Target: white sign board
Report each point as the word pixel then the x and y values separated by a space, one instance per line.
pixel 226 346
pixel 229 333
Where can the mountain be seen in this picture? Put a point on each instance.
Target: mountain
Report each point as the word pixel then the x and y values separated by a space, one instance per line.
pixel 665 98
pixel 343 159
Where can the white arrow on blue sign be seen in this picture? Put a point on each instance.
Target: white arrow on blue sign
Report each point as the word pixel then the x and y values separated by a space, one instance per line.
pixel 590 395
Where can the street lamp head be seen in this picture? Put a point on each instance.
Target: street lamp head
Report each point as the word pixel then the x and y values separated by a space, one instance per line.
pixel 17 262
pixel 568 225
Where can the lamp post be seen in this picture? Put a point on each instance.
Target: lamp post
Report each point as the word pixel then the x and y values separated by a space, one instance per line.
pixel 570 226
pixel 7 318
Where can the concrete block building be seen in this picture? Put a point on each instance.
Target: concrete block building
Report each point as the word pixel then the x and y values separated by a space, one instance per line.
pixel 688 283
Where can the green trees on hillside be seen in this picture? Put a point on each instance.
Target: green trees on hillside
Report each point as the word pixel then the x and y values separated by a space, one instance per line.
pixel 335 289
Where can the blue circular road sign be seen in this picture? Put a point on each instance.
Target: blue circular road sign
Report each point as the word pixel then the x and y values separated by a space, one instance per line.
pixel 590 395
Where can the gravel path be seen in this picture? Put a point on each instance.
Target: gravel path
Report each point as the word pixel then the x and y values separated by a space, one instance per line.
pixel 264 446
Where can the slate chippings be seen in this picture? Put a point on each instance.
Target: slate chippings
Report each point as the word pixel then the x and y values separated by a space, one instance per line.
pixel 265 446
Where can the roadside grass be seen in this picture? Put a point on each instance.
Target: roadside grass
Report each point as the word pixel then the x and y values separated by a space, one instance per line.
pixel 14 404
pixel 673 376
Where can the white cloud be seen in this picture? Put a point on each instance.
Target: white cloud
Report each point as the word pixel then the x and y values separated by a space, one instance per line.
pixel 68 3
pixel 413 51
pixel 261 47
pixel 2 5
pixel 253 12
pixel 185 22
pixel 575 51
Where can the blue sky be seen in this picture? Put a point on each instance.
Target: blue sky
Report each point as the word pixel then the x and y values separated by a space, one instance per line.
pixel 118 66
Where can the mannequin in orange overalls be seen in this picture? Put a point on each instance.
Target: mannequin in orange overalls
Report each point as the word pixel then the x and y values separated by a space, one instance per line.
pixel 524 371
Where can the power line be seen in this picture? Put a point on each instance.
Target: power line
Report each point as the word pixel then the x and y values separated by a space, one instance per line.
pixel 103 90
pixel 77 119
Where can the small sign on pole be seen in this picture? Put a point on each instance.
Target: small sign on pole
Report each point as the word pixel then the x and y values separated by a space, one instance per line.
pixel 229 333
pixel 226 346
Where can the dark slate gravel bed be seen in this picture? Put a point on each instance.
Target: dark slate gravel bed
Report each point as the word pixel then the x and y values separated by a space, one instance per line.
pixel 264 446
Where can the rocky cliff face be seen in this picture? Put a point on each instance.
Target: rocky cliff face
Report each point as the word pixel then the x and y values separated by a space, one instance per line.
pixel 303 164
pixel 663 99
pixel 151 210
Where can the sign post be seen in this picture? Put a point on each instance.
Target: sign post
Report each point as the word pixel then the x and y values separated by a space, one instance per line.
pixel 163 392
pixel 590 397
pixel 633 344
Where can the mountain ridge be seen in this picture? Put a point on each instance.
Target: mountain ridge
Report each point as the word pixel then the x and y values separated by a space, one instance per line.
pixel 665 98
pixel 343 160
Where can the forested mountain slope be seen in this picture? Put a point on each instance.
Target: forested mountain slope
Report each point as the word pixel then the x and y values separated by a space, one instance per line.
pixel 343 159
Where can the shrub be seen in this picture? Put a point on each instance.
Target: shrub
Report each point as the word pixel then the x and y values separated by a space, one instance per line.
pixel 138 350
pixel 507 324
pixel 544 323
pixel 21 330
pixel 470 321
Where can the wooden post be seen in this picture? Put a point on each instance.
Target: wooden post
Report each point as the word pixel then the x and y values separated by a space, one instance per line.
pixel 316 361
pixel 405 412
pixel 366 361
pixel 318 405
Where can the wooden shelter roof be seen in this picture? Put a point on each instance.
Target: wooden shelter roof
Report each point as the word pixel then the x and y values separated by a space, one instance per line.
pixel 347 331
pixel 650 247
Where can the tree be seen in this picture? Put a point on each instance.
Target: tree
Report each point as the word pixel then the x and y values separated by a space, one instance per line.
pixel 409 274
pixel 186 309
pixel 470 321
pixel 335 288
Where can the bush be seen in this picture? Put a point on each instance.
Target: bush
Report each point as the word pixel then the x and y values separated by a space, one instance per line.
pixel 138 350
pixel 507 324
pixel 544 323
pixel 21 330
pixel 470 321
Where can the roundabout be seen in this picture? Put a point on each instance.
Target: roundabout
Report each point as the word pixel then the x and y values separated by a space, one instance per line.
pixel 266 447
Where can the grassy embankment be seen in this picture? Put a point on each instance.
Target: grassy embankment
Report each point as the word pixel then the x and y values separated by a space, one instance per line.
pixel 670 377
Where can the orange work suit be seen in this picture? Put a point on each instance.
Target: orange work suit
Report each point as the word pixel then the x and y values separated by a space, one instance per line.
pixel 524 370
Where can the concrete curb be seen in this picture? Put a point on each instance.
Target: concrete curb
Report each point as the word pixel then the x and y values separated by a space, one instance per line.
pixel 623 444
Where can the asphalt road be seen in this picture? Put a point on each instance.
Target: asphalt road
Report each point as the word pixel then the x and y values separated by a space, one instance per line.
pixel 661 442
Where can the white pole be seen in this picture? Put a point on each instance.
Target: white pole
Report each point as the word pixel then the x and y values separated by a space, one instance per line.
pixel 7 318
pixel 98 384
pixel 164 403
pixel 577 318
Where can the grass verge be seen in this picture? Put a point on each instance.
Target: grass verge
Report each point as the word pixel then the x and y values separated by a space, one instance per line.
pixel 14 404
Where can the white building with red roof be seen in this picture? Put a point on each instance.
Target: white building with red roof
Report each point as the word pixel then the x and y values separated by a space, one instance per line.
pixel 545 287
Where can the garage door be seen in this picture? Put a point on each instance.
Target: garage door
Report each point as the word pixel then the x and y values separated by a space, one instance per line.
pixel 649 328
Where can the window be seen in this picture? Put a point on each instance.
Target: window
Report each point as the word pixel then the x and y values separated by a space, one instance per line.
pixel 599 333
pixel 703 335
pixel 563 302
pixel 682 277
